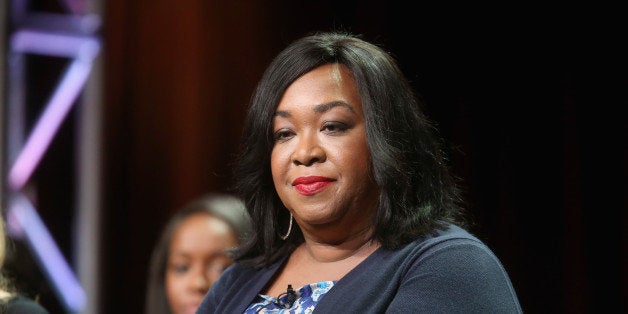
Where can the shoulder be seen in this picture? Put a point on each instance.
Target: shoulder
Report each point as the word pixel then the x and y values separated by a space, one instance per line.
pixel 451 235
pixel 237 272
pixel 443 251
pixel 238 276
pixel 455 265
pixel 451 252
pixel 451 243
pixel 463 261
pixel 449 270
pixel 20 304
pixel 236 286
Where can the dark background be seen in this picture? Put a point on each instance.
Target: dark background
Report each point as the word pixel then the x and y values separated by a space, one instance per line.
pixel 529 100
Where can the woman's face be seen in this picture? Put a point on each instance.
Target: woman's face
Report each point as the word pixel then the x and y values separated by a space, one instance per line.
pixel 196 259
pixel 320 160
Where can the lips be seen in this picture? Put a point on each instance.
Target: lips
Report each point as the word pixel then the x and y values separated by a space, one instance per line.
pixel 311 185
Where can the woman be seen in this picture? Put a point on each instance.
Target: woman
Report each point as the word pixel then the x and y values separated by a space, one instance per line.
pixel 353 207
pixel 10 301
pixel 192 252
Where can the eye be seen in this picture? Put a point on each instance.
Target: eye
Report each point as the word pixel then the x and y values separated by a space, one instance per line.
pixel 334 127
pixel 179 268
pixel 217 267
pixel 282 135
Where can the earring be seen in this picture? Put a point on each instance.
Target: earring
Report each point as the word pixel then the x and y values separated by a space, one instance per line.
pixel 284 237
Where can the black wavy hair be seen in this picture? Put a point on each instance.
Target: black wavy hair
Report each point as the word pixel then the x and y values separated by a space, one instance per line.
pixel 417 191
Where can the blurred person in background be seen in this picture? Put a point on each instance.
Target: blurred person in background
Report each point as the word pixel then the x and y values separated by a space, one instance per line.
pixel 11 301
pixel 192 252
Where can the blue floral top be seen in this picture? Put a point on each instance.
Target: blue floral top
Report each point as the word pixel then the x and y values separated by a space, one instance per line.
pixel 306 299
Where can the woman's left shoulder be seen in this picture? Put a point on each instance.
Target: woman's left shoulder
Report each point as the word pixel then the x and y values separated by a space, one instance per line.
pixel 450 232
pixel 451 239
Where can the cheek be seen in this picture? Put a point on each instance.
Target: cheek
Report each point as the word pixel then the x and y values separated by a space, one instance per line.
pixel 279 160
pixel 355 155
pixel 174 287
pixel 212 276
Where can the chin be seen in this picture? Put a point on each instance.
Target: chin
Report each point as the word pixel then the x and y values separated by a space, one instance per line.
pixel 187 309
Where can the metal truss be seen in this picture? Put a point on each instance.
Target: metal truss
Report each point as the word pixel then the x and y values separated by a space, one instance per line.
pixel 73 37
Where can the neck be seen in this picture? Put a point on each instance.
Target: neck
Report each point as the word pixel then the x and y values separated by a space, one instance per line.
pixel 357 246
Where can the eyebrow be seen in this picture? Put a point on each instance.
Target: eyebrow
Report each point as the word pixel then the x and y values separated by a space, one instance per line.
pixel 319 108
pixel 189 255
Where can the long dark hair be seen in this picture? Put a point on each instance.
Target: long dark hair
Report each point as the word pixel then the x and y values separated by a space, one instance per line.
pixel 418 193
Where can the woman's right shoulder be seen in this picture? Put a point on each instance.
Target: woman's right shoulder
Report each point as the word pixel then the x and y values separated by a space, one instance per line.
pixel 237 272
pixel 239 275
pixel 237 284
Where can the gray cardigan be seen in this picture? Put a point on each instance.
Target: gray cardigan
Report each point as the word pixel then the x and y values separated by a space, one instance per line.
pixel 449 271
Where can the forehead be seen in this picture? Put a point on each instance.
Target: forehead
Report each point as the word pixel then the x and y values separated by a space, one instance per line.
pixel 200 228
pixel 326 84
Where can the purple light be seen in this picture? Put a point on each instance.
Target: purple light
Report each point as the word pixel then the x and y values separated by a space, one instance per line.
pixel 83 50
pixel 48 123
pixel 58 45
pixel 23 214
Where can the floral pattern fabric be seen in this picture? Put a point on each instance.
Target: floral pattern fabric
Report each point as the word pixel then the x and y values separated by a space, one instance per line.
pixel 306 299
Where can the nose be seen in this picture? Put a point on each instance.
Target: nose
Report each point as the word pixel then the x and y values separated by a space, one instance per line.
pixel 202 282
pixel 211 273
pixel 308 150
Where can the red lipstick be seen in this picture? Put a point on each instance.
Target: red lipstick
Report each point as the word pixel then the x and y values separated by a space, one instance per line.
pixel 311 185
